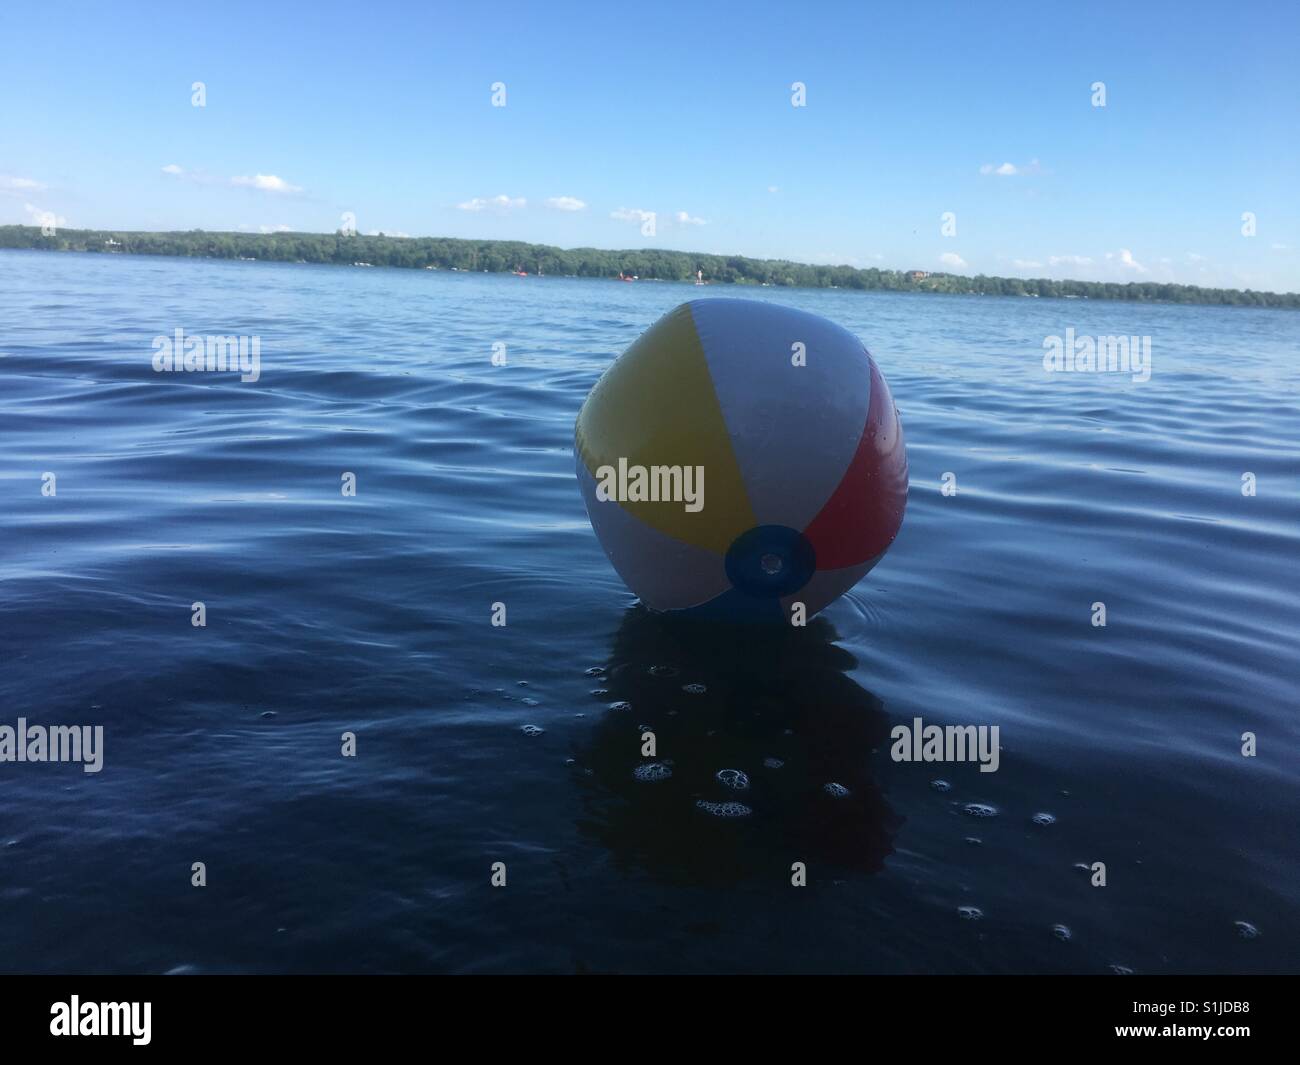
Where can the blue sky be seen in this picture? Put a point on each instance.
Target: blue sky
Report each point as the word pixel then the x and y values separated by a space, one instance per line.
pixel 384 110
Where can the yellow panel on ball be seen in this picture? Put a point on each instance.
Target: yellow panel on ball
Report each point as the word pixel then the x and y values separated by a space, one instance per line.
pixel 655 408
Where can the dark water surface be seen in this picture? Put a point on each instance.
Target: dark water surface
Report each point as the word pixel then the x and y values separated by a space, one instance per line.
pixel 372 614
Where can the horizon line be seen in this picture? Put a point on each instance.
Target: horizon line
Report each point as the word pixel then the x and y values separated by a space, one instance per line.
pixel 637 251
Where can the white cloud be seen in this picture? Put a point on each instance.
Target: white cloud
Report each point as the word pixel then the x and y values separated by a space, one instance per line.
pixel 1126 260
pixel 19 184
pixel 1278 247
pixel 1010 169
pixel 773 188
pixel 631 214
pixel 172 168
pixel 1192 257
pixel 566 203
pixel 1069 260
pixel 494 203
pixel 386 233
pixel 1027 264
pixel 688 220
pixel 273 229
pixel 951 258
pixel 266 182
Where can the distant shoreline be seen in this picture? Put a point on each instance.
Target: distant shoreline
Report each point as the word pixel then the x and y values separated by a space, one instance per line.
pixel 508 256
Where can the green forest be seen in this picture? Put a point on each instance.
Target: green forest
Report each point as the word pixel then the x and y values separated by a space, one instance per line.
pixel 503 256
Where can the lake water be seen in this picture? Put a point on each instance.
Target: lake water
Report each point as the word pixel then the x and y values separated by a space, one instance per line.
pixel 371 614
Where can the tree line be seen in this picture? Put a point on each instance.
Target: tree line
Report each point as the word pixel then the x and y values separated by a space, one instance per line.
pixel 503 256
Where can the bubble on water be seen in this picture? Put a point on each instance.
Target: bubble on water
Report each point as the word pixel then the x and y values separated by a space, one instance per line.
pixel 1083 867
pixel 974 841
pixel 522 683
pixel 733 779
pixel 836 791
pixel 971 913
pixel 694 689
pixel 600 693
pixel 980 809
pixel 1044 819
pixel 268 713
pixel 773 763
pixel 620 705
pixel 940 785
pixel 1246 930
pixel 570 761
pixel 531 730
pixel 1061 932
pixel 644 728
pixel 663 671
pixel 723 809
pixel 787 732
pixel 652 772
pixel 530 702
pixel 595 671
pixel 1121 970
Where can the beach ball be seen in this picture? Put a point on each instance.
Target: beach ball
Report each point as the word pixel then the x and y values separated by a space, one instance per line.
pixel 741 458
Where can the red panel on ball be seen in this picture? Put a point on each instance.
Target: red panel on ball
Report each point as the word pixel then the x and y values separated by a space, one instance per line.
pixel 865 512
